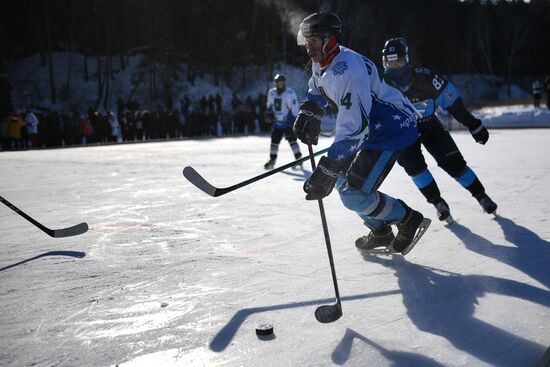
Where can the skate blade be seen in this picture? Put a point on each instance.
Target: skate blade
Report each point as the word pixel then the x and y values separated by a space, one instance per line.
pixel 420 232
pixel 449 220
pixel 378 251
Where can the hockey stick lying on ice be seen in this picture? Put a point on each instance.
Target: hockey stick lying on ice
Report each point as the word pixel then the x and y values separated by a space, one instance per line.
pixel 64 232
pixel 196 179
pixel 327 313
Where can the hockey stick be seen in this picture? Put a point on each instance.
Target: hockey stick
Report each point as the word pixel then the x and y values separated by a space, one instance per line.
pixel 57 233
pixel 327 313
pixel 196 179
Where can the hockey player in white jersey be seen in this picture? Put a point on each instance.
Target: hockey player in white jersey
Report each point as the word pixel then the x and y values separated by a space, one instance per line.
pixel 374 123
pixel 282 109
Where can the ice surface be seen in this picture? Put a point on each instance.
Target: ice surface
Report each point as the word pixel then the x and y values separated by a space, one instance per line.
pixel 475 293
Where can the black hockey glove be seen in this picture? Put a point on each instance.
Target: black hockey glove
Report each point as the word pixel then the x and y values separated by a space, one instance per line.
pixel 322 180
pixel 462 115
pixel 307 125
pixel 480 133
pixel 425 124
pixel 270 117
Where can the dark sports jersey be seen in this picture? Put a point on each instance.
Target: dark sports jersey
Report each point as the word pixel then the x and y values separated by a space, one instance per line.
pixel 428 91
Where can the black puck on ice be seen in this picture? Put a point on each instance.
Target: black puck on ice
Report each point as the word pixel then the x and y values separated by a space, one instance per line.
pixel 264 330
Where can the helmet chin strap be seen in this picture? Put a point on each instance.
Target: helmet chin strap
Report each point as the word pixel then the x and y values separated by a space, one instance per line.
pixel 330 50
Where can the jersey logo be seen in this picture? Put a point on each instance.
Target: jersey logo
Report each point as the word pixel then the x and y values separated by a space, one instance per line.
pixel 340 68
pixel 277 104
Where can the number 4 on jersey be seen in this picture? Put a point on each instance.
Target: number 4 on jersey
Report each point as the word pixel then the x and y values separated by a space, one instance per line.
pixel 346 101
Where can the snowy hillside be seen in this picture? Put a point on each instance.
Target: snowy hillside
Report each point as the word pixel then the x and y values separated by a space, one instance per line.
pixel 31 81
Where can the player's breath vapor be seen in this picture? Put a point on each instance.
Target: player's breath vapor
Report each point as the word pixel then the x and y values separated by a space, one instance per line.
pixel 291 16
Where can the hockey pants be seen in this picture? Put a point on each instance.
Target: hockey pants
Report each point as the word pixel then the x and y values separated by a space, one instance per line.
pixel 277 136
pixel 439 143
pixel 358 189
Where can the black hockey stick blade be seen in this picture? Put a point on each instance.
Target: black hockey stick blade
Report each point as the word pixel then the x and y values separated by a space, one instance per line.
pixel 196 179
pixel 56 233
pixel 328 313
pixel 199 182
pixel 71 231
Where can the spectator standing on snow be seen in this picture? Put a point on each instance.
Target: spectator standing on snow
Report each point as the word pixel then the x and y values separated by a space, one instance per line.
pixel 32 128
pixel 15 123
pixel 4 141
pixel 547 87
pixel 537 92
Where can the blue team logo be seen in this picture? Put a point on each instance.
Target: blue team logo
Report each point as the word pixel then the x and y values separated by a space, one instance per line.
pixel 340 68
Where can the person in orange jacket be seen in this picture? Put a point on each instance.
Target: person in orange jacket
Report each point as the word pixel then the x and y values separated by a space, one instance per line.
pixel 15 124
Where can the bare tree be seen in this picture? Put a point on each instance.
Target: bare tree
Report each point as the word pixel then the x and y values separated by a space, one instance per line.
pixel 482 33
pixel 515 37
pixel 53 96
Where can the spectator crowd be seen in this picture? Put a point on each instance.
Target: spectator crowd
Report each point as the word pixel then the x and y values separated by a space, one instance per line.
pixel 36 128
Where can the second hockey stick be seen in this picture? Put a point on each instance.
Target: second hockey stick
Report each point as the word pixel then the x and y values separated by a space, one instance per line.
pixel 327 313
pixel 196 179
pixel 56 233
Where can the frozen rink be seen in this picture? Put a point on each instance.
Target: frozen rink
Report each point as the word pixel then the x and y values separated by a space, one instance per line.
pixel 168 276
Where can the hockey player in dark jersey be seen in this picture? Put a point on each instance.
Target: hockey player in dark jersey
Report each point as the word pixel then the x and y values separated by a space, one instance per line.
pixel 428 91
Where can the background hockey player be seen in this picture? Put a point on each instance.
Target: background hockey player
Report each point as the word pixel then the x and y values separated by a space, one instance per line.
pixel 282 108
pixel 428 91
pixel 373 123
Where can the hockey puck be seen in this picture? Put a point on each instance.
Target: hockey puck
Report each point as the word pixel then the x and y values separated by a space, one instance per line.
pixel 264 330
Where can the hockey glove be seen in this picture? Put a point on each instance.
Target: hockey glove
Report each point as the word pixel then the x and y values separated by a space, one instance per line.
pixel 270 117
pixel 425 124
pixel 480 133
pixel 307 125
pixel 322 180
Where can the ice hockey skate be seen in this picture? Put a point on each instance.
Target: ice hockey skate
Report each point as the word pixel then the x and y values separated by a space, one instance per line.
pixel 409 230
pixel 378 240
pixel 297 167
pixel 488 205
pixel 443 211
pixel 270 164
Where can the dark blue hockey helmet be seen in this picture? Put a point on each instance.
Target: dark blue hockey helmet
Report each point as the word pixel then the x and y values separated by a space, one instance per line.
pixel 279 78
pixel 395 49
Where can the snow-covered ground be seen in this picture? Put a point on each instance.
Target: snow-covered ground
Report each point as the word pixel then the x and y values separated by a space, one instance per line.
pixel 168 276
pixel 507 116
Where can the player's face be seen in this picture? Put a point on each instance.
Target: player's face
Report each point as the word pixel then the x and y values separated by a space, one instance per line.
pixel 314 48
pixel 280 84
pixel 395 64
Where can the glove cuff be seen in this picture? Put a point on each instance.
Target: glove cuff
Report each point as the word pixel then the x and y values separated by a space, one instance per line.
pixel 311 114
pixel 479 129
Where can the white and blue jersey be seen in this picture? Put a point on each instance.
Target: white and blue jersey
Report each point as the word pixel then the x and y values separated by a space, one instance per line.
pixel 284 105
pixel 371 114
